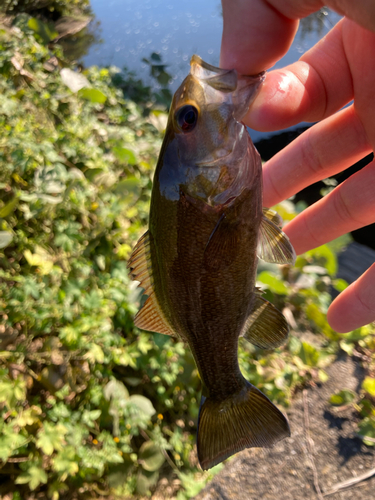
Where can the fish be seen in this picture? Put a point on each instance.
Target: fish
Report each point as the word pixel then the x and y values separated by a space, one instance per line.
pixel 197 262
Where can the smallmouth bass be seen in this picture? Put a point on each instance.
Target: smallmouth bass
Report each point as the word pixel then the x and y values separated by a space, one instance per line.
pixel 197 261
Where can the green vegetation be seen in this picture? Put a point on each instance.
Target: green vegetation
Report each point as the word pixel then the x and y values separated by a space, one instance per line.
pixel 88 403
pixel 57 7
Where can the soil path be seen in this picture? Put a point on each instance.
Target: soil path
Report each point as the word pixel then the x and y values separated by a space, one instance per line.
pixel 326 454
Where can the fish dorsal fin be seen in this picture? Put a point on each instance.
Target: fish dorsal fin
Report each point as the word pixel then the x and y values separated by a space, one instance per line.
pixel 139 264
pixel 150 317
pixel 273 216
pixel 265 326
pixel 273 244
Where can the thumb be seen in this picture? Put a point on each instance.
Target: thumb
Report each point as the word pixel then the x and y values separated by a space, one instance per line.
pixel 255 35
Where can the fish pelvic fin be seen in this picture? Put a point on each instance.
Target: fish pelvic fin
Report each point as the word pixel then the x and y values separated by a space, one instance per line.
pixel 246 419
pixel 265 327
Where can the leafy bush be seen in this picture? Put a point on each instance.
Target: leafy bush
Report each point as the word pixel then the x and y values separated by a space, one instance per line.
pixel 75 184
pixel 60 7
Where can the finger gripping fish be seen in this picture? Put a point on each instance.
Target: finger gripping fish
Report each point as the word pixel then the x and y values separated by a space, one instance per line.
pixel 197 262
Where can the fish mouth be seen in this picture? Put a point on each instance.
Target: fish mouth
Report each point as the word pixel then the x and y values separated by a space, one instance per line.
pixel 220 79
pixel 244 87
pixel 213 69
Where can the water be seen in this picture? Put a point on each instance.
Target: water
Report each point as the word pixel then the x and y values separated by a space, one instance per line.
pixel 133 29
pixel 175 29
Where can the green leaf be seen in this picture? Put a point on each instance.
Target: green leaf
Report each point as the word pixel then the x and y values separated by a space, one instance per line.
pixel 340 284
pixel 145 480
pixel 70 335
pixel 73 80
pixel 156 57
pixel 367 429
pixel 163 78
pixel 323 376
pixel 150 456
pixel 133 381
pixel 5 238
pixel 358 334
pixel 125 155
pixel 273 283
pixel 41 258
pixel 347 346
pixel 66 463
pixel 118 473
pixel 33 476
pixel 369 385
pixel 100 260
pixel 343 397
pixel 12 391
pixel 309 354
pixel 115 390
pixel 10 440
pixel 89 417
pixel 324 255
pixel 93 95
pixel 51 438
pixel 29 416
pixel 9 208
pixel 314 313
pixel 143 404
pixel 95 354
pixel 294 344
pixel 192 485
pixel 45 31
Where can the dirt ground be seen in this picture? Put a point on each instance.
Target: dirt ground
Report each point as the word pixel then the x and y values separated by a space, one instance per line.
pixel 322 452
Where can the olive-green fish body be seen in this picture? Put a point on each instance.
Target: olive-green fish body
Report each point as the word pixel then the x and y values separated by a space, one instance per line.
pixel 197 262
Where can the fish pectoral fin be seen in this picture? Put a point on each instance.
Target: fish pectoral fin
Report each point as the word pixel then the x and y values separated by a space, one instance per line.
pixel 265 327
pixel 150 317
pixel 245 419
pixel 222 245
pixel 274 245
pixel 273 216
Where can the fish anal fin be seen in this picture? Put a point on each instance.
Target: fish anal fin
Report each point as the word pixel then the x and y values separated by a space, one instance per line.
pixel 273 244
pixel 245 419
pixel 265 326
pixel 151 318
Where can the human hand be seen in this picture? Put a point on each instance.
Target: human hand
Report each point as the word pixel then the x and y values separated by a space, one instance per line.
pixel 338 69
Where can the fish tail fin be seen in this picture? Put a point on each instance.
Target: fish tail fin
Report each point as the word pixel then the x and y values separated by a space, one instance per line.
pixel 245 419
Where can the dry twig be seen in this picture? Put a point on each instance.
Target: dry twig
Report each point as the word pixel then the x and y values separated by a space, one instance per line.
pixel 349 482
pixel 310 445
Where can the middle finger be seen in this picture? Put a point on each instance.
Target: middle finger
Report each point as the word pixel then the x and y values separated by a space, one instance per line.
pixel 349 206
pixel 327 148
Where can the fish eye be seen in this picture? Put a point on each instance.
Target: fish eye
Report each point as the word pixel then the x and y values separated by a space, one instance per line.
pixel 186 118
